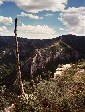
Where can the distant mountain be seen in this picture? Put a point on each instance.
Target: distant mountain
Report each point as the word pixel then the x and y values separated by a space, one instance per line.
pixel 27 46
pixel 76 42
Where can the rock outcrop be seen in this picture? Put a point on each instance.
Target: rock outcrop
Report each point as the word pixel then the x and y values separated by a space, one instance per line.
pixel 61 70
pixel 59 51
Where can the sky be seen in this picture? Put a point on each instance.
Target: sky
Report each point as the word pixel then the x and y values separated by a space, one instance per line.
pixel 42 19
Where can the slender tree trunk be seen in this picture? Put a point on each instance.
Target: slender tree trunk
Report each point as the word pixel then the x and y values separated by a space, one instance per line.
pixel 19 81
pixel 22 94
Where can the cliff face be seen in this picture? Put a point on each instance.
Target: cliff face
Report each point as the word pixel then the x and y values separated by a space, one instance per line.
pixel 55 53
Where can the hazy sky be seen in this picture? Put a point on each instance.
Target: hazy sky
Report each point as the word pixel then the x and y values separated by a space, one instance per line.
pixel 42 18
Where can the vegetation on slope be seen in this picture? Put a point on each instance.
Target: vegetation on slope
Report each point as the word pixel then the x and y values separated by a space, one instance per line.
pixel 64 94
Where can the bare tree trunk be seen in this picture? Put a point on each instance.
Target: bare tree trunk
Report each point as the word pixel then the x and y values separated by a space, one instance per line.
pixel 22 94
pixel 19 81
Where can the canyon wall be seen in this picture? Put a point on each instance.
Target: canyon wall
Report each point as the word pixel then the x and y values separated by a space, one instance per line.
pixel 56 52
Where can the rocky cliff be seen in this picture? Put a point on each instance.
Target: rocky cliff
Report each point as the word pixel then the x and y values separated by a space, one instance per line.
pixel 44 58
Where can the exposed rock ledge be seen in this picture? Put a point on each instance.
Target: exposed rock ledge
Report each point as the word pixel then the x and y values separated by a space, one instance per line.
pixel 60 70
